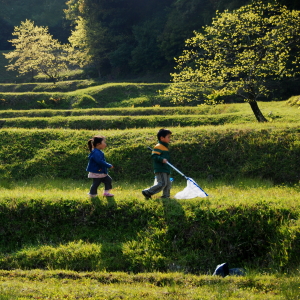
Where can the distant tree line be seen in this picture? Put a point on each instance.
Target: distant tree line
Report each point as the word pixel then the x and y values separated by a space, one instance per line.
pixel 42 12
pixel 133 36
pixel 118 38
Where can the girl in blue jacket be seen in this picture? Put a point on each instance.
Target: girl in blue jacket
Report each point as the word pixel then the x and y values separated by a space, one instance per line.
pixel 97 167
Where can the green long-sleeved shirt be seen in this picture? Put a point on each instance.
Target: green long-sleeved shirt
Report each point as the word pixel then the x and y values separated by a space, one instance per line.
pixel 160 152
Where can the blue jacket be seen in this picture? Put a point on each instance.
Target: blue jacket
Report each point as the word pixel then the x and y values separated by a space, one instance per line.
pixel 97 163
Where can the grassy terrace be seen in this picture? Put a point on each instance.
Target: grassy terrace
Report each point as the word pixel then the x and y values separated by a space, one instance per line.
pixel 38 284
pixel 101 234
pixel 56 243
pixel 117 118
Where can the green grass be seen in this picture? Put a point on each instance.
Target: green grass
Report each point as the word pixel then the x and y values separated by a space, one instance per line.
pixel 236 192
pixel 94 119
pixel 37 284
pixel 104 95
pixel 294 101
pixel 52 225
pixel 61 86
pixel 275 112
pixel 63 229
pixel 131 111
pixel 269 151
pixel 124 122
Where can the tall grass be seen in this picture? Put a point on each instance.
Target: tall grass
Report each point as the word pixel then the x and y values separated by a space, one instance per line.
pixel 62 228
pixel 37 284
pixel 244 191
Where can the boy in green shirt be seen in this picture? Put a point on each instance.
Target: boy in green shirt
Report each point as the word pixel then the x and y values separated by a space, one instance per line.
pixel 160 156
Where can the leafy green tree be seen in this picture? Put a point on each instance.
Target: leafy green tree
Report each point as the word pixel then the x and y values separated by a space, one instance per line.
pixel 42 12
pixel 91 36
pixel 88 44
pixel 238 53
pixel 79 50
pixel 36 51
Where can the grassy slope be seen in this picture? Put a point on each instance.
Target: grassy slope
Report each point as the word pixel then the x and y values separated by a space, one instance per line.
pixel 61 86
pixel 104 95
pixel 63 229
pixel 117 118
pixel 223 196
pixel 39 284
pixel 265 150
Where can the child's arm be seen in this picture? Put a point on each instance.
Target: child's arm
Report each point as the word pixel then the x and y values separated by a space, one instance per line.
pixel 99 158
pixel 156 156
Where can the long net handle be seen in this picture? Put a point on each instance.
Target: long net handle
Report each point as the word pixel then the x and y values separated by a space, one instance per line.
pixel 172 166
pixel 187 178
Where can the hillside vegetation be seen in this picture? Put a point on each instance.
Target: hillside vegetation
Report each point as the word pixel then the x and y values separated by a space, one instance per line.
pixel 52 224
pixel 38 284
pixel 58 243
pixel 124 118
pixel 268 152
pixel 105 95
pixel 250 218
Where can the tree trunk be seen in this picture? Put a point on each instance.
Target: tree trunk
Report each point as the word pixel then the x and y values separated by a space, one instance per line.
pixel 258 114
pixel 32 75
pixel 99 73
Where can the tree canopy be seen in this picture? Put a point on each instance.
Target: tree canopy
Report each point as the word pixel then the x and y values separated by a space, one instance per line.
pixel 42 12
pixel 36 51
pixel 240 53
pixel 121 37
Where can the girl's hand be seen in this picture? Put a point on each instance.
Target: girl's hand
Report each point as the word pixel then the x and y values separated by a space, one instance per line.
pixel 165 161
pixel 112 167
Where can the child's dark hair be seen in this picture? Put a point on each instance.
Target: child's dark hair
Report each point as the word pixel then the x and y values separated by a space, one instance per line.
pixel 94 141
pixel 163 133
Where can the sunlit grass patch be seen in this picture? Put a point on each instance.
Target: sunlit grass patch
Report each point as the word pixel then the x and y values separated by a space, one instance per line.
pixel 53 224
pixel 60 284
pixel 236 192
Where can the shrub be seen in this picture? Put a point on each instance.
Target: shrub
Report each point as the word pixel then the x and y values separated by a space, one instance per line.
pixel 105 95
pixel 266 153
pixel 294 101
pixel 139 237
pixel 122 122
pixel 149 111
pixel 85 101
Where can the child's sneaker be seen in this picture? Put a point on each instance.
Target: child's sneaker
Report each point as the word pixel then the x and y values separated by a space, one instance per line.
pixel 146 195
pixel 106 194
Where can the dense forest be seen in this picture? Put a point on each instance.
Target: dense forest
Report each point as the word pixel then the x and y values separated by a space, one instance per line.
pixel 128 36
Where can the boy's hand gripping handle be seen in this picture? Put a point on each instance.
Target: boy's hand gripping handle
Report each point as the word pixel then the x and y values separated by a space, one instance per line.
pixel 171 166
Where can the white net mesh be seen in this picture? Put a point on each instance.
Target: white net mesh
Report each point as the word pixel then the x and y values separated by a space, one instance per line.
pixel 191 191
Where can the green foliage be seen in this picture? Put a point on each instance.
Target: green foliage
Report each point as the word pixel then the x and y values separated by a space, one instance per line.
pixel 123 38
pixel 128 111
pixel 60 284
pixel 47 229
pixel 265 152
pixel 36 51
pixel 79 51
pixel 294 101
pixel 238 52
pixel 85 101
pixel 120 122
pixel 43 13
pixel 105 95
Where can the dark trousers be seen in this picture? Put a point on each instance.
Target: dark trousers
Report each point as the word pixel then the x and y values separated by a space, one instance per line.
pixel 96 182
pixel 163 184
